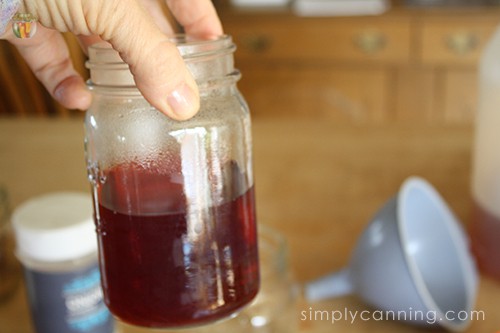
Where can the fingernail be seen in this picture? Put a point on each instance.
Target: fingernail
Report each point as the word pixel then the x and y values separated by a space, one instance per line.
pixel 182 101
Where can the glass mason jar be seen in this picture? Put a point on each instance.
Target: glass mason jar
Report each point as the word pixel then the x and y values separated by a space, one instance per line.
pixel 174 201
pixel 276 307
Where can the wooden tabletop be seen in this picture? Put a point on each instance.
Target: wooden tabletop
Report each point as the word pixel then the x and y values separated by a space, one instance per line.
pixel 318 183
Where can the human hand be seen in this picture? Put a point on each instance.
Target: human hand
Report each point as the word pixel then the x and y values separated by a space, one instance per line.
pixel 135 29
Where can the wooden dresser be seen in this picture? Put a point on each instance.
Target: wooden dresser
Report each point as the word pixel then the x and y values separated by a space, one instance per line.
pixel 407 65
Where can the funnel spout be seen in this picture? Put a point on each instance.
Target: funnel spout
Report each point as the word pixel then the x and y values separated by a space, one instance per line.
pixel 333 285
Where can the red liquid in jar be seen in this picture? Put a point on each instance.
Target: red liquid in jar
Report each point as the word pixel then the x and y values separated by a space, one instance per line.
pixel 485 240
pixel 164 265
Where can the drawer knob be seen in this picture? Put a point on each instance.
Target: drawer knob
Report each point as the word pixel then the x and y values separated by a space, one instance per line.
pixel 462 42
pixel 370 41
pixel 256 43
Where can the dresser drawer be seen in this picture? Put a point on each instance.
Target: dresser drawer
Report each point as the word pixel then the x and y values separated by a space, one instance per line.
pixel 368 40
pixel 454 41
pixel 337 93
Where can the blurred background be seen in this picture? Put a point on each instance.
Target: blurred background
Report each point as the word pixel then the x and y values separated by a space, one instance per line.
pixel 361 61
pixel 372 91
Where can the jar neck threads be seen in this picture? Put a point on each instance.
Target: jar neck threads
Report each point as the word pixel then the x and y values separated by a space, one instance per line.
pixel 210 62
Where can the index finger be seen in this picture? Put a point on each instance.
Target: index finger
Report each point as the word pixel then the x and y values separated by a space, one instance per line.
pixel 48 57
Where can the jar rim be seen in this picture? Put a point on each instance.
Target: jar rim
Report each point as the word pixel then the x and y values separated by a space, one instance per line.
pixel 107 68
pixel 189 47
pixel 193 47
